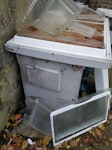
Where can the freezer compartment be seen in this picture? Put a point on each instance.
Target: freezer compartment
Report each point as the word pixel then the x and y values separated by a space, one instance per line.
pixel 73 120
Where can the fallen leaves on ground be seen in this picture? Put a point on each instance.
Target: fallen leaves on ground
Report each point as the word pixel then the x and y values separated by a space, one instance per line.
pixel 46 140
pixel 88 140
pixel 73 143
pixel 96 138
pixel 24 145
pixel 7 147
pixel 98 133
pixel 110 139
pixel 102 127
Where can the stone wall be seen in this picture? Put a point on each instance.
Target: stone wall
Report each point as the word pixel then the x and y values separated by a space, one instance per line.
pixel 11 91
pixel 10 82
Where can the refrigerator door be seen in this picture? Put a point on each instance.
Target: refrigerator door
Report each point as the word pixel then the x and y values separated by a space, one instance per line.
pixel 73 120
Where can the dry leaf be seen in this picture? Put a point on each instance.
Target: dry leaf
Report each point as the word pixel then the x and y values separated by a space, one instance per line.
pixel 24 145
pixel 56 148
pixel 3 147
pixel 110 116
pixel 86 149
pixel 39 143
pixel 110 139
pixel 38 148
pixel 7 131
pixel 96 145
pixel 8 124
pixel 44 148
pixel 11 148
pixel 92 132
pixel 98 133
pixel 77 140
pixel 108 122
pixel 4 136
pixel 18 116
pixel 15 125
pixel 64 144
pixel 73 143
pixel 88 140
pixel 17 140
pixel 16 147
pixel 12 118
pixel 7 147
pixel 14 135
pixel 68 146
pixel 102 127
pixel 46 140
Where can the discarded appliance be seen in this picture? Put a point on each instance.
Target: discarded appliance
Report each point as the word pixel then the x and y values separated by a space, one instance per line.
pixel 51 70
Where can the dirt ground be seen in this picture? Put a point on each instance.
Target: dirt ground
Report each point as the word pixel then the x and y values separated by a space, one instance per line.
pixel 98 138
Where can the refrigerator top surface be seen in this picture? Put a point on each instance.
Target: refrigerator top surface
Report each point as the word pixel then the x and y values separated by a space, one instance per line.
pixel 68 47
